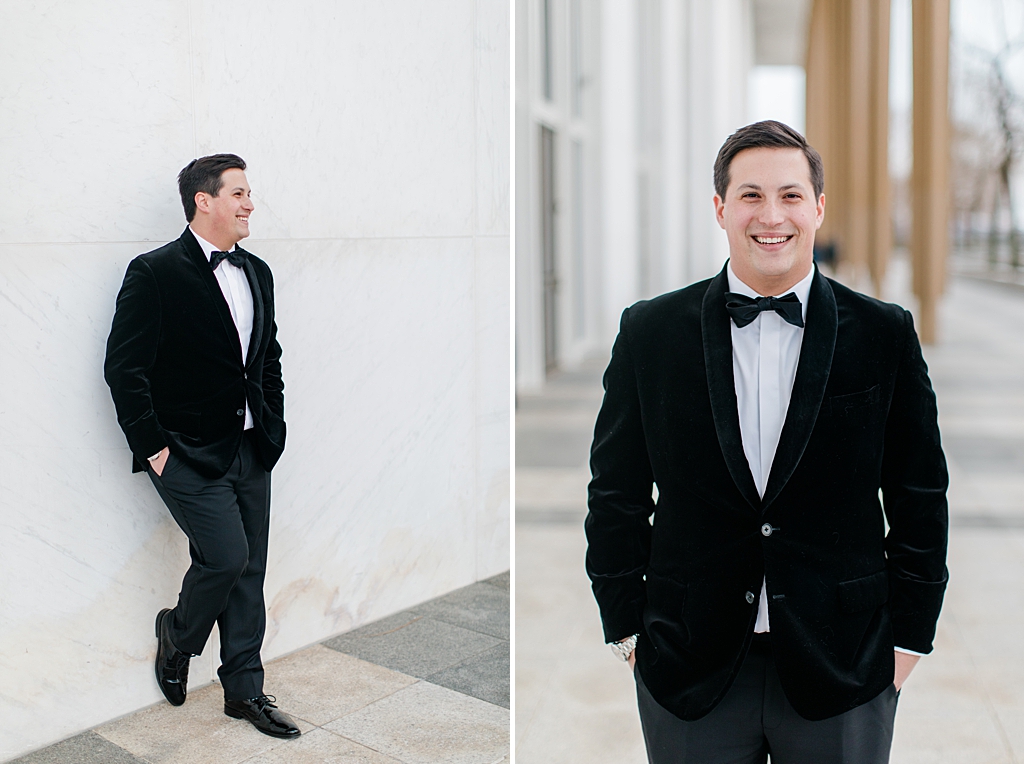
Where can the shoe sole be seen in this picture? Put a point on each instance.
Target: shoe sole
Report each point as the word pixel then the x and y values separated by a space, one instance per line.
pixel 228 711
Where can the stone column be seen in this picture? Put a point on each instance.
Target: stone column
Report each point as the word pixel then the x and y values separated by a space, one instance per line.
pixel 879 196
pixel 929 180
pixel 823 110
pixel 848 121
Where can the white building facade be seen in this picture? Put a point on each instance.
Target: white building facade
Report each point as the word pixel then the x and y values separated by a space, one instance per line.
pixel 377 137
pixel 621 107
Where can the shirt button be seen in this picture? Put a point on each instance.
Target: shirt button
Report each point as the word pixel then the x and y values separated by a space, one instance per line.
pixel 750 598
pixel 240 412
pixel 766 529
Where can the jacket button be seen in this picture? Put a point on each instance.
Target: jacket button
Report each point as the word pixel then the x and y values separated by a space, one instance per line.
pixel 766 529
pixel 750 598
pixel 240 412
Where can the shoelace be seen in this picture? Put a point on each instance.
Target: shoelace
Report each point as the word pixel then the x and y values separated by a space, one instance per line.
pixel 262 702
pixel 177 668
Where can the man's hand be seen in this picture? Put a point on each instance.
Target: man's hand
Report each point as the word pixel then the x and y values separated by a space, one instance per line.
pixel 161 459
pixel 631 660
pixel 905 663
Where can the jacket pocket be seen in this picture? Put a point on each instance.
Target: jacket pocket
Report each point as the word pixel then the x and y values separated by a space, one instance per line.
pixel 843 405
pixel 663 615
pixel 865 593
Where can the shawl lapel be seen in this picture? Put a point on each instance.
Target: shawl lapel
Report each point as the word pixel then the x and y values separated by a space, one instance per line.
pixel 717 337
pixel 257 311
pixel 812 372
pixel 195 253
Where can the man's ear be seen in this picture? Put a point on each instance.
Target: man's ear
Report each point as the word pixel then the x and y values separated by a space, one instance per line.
pixel 202 201
pixel 720 211
pixel 820 212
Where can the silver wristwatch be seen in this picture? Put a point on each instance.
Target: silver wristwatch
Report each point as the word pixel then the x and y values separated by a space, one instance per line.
pixel 624 648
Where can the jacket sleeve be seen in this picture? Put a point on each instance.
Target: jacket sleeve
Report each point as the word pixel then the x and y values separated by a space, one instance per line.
pixel 914 482
pixel 618 527
pixel 131 353
pixel 273 382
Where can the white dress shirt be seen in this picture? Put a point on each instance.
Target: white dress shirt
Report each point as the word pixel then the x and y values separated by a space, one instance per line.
pixel 765 354
pixel 235 287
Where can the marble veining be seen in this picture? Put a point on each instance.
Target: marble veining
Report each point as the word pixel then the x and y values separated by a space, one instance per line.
pixel 377 141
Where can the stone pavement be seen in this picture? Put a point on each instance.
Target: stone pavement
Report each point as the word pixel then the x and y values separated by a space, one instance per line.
pixel 429 684
pixel 964 703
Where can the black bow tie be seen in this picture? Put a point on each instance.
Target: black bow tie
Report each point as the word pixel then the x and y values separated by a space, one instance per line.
pixel 745 309
pixel 236 258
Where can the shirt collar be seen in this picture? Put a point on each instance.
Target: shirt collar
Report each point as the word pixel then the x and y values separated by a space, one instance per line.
pixel 802 289
pixel 207 247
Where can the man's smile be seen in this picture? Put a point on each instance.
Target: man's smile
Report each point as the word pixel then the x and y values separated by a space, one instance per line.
pixel 772 239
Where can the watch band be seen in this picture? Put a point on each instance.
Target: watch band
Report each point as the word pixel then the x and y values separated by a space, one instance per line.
pixel 624 648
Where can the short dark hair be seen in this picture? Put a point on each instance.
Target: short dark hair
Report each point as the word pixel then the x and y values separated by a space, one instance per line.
pixel 768 134
pixel 203 174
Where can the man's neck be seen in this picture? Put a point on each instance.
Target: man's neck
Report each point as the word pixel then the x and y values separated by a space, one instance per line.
pixel 768 286
pixel 223 243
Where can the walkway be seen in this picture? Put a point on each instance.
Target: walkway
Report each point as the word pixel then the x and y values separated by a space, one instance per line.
pixel 429 684
pixel 964 703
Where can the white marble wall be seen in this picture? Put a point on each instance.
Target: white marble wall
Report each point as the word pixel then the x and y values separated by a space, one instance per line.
pixel 378 141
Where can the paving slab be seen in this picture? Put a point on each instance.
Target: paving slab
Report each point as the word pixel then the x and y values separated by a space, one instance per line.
pixel 87 748
pixel 322 747
pixel 500 581
pixel 478 607
pixel 552 448
pixel 413 643
pixel 197 732
pixel 485 676
pixel 425 723
pixel 320 685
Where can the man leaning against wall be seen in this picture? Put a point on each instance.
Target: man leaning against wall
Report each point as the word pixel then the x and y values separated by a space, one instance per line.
pixel 194 368
pixel 760 599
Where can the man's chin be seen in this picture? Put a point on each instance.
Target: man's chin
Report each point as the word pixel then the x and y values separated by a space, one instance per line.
pixel 780 267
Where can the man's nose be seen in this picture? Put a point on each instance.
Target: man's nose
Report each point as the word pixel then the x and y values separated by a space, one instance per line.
pixel 247 203
pixel 771 214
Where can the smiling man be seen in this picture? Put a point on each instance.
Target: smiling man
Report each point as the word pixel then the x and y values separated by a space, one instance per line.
pixel 761 600
pixel 194 368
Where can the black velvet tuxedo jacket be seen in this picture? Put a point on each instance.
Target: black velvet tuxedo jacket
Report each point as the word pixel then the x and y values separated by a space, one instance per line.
pixel 174 362
pixel 842 591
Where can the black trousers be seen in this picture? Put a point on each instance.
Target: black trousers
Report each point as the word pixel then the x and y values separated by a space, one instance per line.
pixel 227 523
pixel 755 719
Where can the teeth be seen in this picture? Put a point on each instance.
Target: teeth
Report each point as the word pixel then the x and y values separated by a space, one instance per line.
pixel 770 240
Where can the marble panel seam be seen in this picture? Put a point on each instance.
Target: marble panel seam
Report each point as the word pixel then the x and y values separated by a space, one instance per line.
pixel 415 680
pixel 256 241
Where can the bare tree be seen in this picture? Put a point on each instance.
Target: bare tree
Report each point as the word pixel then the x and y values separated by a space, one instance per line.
pixel 1000 118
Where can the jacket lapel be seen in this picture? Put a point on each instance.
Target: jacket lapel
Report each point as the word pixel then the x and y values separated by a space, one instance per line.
pixel 812 372
pixel 717 337
pixel 257 312
pixel 195 253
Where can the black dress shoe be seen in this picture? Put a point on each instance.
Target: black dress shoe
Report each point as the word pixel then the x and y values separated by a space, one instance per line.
pixel 263 714
pixel 171 663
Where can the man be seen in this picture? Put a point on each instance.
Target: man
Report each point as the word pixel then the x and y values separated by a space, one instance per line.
pixel 770 610
pixel 194 368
